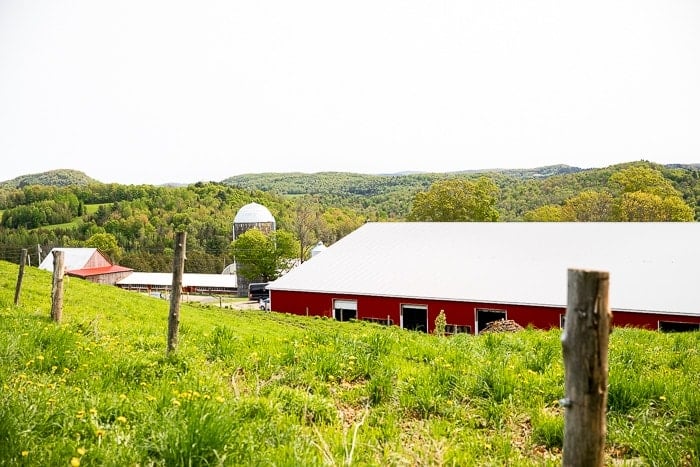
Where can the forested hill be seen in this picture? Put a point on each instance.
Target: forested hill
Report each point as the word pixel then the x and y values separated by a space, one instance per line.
pixel 390 196
pixel 59 177
pixel 347 183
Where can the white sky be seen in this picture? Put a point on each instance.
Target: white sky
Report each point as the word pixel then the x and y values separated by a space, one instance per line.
pixel 176 91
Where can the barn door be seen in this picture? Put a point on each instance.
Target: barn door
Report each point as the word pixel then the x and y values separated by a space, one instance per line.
pixel 345 310
pixel 414 317
pixel 484 317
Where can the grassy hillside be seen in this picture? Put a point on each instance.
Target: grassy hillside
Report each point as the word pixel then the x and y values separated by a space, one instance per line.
pixel 255 388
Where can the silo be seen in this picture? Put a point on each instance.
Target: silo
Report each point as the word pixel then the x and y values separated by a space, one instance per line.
pixel 250 216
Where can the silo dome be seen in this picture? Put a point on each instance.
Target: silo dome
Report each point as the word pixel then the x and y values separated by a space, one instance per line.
pixel 253 213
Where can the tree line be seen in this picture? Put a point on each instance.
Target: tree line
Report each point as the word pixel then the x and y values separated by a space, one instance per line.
pixel 135 225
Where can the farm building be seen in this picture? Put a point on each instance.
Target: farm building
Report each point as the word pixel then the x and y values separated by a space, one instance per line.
pixel 204 284
pixel 87 263
pixel 406 273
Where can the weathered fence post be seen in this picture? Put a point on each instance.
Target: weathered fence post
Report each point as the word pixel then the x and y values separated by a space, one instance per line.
pixel 585 348
pixel 20 275
pixel 176 290
pixel 57 286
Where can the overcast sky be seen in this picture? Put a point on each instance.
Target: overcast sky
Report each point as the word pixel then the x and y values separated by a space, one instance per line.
pixel 182 91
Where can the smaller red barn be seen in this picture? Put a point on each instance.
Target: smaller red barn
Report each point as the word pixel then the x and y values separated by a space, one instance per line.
pixel 406 273
pixel 87 263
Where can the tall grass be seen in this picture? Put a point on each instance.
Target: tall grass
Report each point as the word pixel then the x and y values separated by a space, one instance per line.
pixel 255 388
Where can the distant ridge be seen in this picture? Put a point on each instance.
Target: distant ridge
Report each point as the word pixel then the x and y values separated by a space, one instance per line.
pixel 58 177
pixel 266 180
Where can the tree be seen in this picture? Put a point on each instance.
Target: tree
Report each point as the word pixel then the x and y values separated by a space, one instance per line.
pixel 644 179
pixel 589 206
pixel 639 206
pixel 306 225
pixel 457 200
pixel 337 223
pixel 107 244
pixel 547 213
pixel 264 257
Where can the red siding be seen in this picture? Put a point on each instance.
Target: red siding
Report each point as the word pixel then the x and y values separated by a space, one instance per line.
pixel 97 260
pixel 457 313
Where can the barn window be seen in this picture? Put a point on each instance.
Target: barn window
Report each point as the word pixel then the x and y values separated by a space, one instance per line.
pixel 414 317
pixel 345 310
pixel 674 326
pixel 484 316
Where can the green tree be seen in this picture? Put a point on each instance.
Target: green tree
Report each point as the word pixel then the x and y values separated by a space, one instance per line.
pixel 264 257
pixel 547 213
pixel 639 206
pixel 589 206
pixel 644 179
pixel 457 200
pixel 107 244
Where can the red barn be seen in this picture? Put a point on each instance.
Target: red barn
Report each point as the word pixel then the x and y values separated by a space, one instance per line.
pixel 406 273
pixel 89 264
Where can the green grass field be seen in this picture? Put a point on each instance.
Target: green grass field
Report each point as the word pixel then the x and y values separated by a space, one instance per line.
pixel 256 388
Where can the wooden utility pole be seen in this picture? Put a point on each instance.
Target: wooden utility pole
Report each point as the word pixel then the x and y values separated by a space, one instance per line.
pixel 585 347
pixel 20 275
pixel 176 291
pixel 57 286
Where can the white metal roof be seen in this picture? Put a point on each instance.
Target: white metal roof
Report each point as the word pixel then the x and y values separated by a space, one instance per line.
pixel 253 213
pixel 73 258
pixel 163 279
pixel 652 266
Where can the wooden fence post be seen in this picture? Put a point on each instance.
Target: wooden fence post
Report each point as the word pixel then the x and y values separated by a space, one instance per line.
pixel 20 275
pixel 176 291
pixel 585 348
pixel 57 286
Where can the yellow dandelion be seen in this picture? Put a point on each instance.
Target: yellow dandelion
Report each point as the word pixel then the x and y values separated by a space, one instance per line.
pixel 93 411
pixel 121 419
pixel 82 451
pixel 100 433
pixel 74 462
pixel 206 397
pixel 39 357
pixel 220 399
pixel 663 398
pixel 175 402
pixel 150 398
pixel 122 396
pixel 25 453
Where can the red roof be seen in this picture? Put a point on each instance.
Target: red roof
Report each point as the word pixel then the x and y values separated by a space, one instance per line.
pixel 87 272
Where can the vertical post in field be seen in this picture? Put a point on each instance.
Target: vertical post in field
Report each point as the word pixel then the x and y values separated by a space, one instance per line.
pixel 20 274
pixel 57 286
pixel 176 290
pixel 585 349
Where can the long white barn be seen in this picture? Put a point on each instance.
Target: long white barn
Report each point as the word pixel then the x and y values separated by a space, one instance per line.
pixel 406 273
